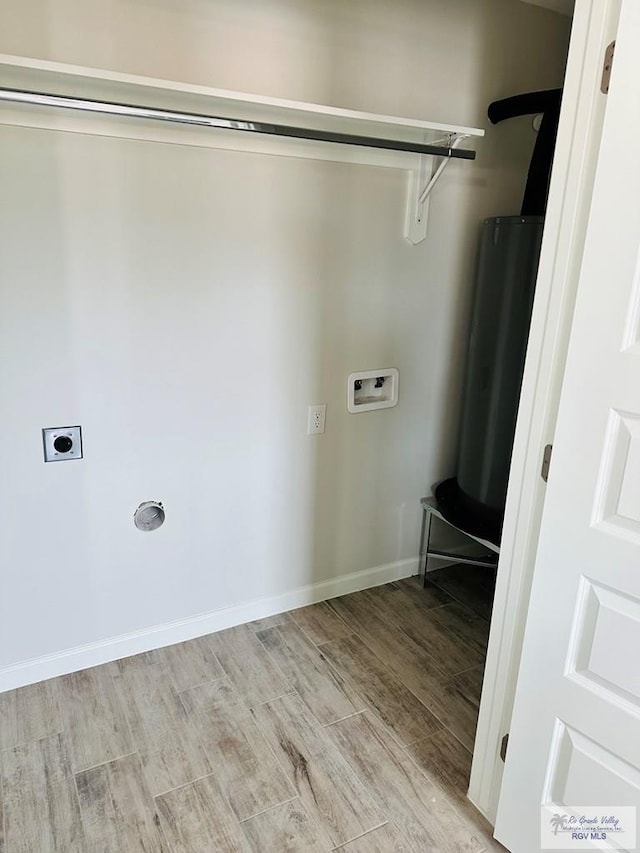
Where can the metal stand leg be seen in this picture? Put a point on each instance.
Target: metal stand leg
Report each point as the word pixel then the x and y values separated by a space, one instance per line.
pixel 426 531
pixel 430 509
pixel 421 549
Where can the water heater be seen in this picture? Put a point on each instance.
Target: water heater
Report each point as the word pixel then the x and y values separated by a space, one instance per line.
pixel 474 500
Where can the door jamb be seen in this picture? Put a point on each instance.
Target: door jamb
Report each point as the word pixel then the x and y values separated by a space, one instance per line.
pixel 578 142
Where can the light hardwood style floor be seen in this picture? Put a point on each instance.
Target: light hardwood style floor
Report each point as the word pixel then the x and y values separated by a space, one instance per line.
pixel 345 725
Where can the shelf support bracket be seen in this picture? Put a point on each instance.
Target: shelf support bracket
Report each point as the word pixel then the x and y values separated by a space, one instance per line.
pixel 420 187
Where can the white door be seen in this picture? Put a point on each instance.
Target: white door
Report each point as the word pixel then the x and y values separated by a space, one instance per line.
pixel 575 733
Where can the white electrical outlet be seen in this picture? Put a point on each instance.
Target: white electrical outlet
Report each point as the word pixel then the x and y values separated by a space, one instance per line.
pixel 315 424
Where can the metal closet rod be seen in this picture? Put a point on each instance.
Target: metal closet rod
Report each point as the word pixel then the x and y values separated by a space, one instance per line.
pixel 133 111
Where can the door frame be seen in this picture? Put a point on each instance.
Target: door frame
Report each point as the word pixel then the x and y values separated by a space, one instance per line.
pixel 579 133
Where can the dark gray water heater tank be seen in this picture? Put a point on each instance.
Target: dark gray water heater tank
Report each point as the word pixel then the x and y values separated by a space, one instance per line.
pixel 503 302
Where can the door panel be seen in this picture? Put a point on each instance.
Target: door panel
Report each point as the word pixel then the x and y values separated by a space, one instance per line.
pixel 581 770
pixel 617 509
pixel 575 732
pixel 606 620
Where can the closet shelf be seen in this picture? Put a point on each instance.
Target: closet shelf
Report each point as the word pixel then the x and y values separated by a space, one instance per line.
pixel 51 94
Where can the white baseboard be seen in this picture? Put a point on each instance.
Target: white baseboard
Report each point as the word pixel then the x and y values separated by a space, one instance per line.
pixel 93 654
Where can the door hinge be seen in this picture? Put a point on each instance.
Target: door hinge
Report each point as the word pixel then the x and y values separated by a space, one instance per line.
pixel 606 69
pixel 546 462
pixel 504 743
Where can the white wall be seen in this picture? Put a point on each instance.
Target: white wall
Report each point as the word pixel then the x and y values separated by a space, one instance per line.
pixel 185 306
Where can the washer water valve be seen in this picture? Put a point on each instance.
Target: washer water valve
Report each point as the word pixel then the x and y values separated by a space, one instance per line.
pixel 372 389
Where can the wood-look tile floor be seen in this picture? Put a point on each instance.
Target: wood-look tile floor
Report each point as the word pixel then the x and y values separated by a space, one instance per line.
pixel 345 725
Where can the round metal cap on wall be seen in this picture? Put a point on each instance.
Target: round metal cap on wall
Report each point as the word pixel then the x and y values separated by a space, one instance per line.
pixel 149 516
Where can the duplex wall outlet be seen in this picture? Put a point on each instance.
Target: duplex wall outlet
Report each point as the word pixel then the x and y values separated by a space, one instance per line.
pixel 315 424
pixel 62 443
